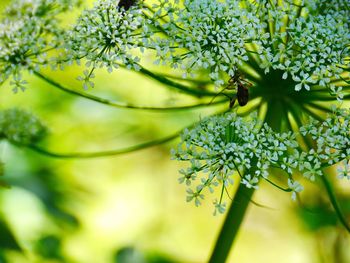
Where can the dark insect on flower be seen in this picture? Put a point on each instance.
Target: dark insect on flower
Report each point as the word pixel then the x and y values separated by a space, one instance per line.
pixel 126 4
pixel 241 84
pixel 242 94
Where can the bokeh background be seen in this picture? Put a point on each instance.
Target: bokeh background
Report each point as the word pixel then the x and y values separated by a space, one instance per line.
pixel 130 208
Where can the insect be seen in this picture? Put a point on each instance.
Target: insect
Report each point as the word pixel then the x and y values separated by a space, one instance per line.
pixel 242 94
pixel 126 4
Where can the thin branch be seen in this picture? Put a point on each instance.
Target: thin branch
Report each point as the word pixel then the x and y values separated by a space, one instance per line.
pixel 315 97
pixel 176 85
pixel 261 205
pixel 119 104
pixel 87 155
pixel 320 107
pixel 296 116
pixel 81 155
pixel 334 202
pixel 279 187
pixel 192 80
pixel 332 197
pixel 312 114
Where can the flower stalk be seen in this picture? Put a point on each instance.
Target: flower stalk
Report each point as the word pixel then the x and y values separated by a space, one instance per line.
pixel 232 224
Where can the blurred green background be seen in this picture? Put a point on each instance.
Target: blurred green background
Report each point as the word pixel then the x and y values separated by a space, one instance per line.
pixel 130 208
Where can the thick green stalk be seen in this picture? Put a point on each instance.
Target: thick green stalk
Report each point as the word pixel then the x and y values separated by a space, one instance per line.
pixel 238 208
pixel 232 223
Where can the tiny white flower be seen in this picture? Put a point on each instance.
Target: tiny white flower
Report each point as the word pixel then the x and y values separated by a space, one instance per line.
pixel 295 187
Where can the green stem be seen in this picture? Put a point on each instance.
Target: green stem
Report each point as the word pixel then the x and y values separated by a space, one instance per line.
pixel 334 202
pixel 190 80
pixel 232 223
pixel 279 187
pixel 86 155
pixel 312 114
pixel 119 104
pixel 176 85
pixel 234 218
pixel 329 190
pixel 103 153
pixel 328 186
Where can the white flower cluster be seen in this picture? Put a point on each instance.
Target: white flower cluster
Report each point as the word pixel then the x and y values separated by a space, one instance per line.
pixel 341 8
pixel 344 169
pixel 21 48
pixel 209 35
pixel 222 35
pixel 105 36
pixel 313 51
pixel 219 146
pixel 21 127
pixel 301 41
pixel 332 141
pixel 27 33
pixel 39 8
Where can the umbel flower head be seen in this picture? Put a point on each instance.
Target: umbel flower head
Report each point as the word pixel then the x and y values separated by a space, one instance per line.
pixel 39 8
pixel 210 35
pixel 105 36
pixel 302 45
pixel 21 127
pixel 222 147
pixel 299 41
pixel 28 31
pixel 22 48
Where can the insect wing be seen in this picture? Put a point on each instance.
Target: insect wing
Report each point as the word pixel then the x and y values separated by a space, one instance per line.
pixel 242 94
